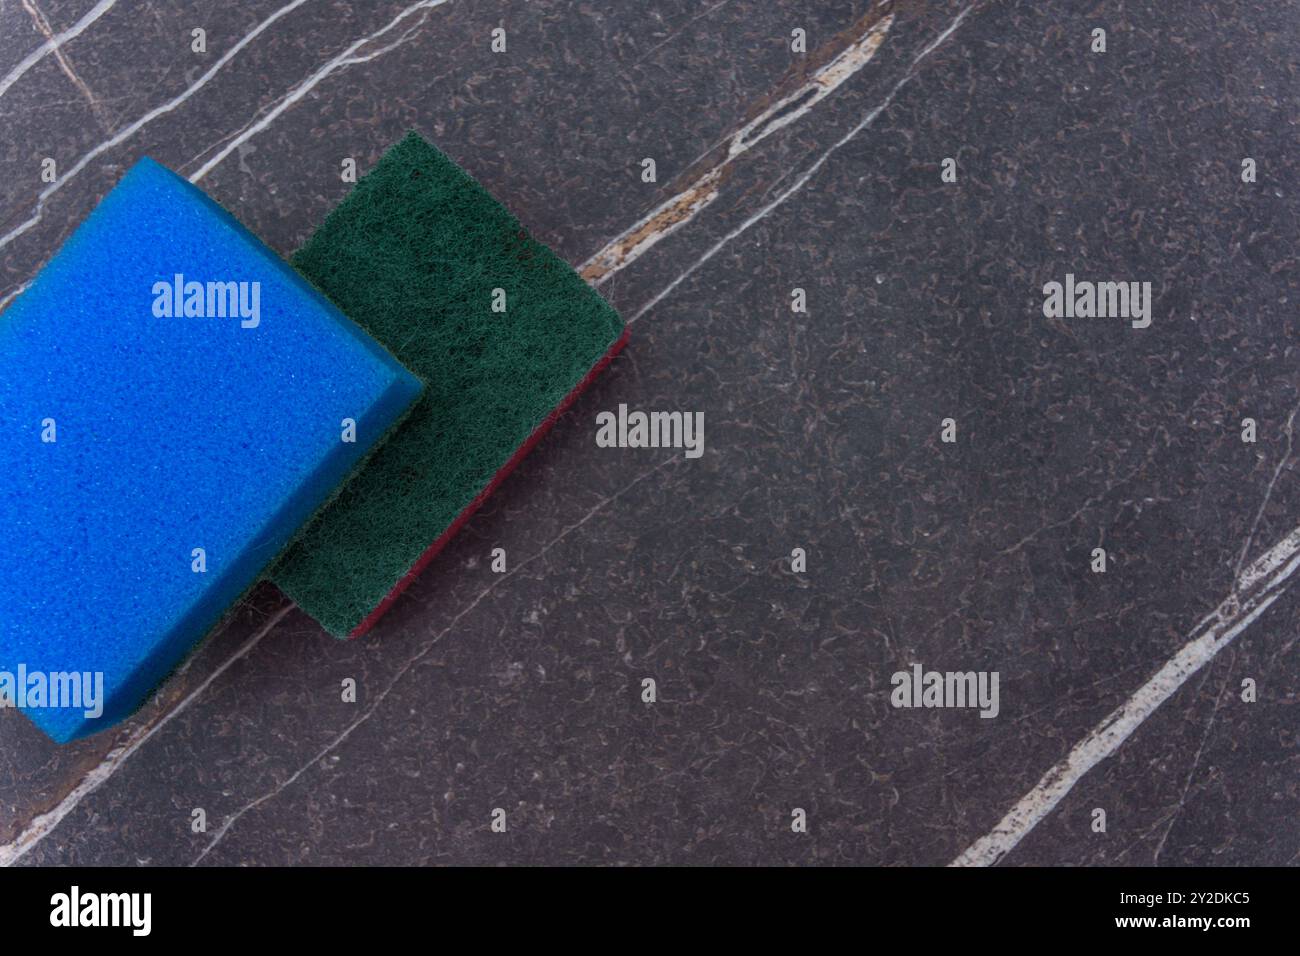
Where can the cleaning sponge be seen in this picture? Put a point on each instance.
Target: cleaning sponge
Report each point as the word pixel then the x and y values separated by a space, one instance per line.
pixel 503 331
pixel 175 403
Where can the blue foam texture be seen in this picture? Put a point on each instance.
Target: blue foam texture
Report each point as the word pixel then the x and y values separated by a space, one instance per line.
pixel 170 434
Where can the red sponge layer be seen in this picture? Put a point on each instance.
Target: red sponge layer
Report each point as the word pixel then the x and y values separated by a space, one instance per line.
pixel 520 453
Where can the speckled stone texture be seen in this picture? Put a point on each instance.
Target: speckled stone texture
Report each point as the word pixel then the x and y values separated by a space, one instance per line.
pixel 522 690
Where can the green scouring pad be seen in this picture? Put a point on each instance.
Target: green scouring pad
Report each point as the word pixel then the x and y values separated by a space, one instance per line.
pixel 504 333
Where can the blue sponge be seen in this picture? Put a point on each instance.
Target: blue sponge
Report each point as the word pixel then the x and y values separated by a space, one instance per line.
pixel 174 405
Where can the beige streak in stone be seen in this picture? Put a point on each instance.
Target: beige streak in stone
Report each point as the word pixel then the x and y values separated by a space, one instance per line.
pixel 673 213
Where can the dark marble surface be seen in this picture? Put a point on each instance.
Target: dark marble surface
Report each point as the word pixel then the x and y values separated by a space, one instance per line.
pixel 522 690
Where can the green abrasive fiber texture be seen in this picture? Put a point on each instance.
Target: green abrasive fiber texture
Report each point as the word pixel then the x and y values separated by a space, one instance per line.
pixel 413 256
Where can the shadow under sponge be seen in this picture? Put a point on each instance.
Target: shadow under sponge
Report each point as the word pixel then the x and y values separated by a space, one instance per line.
pixel 414 255
pixel 171 433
